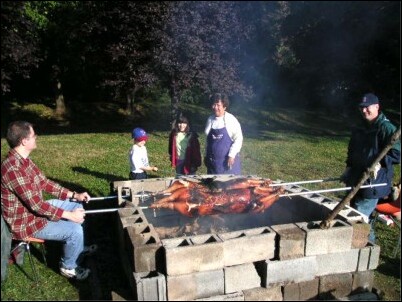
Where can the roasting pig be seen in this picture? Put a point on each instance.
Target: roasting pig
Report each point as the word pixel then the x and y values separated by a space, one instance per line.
pixel 209 196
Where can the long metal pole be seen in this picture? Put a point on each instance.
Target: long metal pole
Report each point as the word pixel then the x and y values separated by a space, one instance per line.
pixel 303 182
pixel 107 197
pixel 124 196
pixel 271 185
pixel 330 190
pixel 108 210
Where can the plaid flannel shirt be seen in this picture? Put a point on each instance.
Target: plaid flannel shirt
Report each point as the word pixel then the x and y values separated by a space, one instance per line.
pixel 22 203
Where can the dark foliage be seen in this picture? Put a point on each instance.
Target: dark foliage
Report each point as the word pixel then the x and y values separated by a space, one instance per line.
pixel 20 52
pixel 276 53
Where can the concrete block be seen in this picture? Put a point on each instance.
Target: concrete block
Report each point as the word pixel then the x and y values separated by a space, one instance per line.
pixel 139 187
pixel 306 290
pixel 336 263
pixel 144 250
pixel 364 258
pixel 150 286
pixel 316 197
pixel 130 216
pixel 291 292
pixel 143 228
pixel 361 232
pixel 338 237
pixel 347 214
pixel 263 294
pixel 335 286
pixel 374 255
pixel 291 241
pixel 261 239
pixel 122 294
pixel 241 277
pixel 350 215
pixel 285 271
pixel 229 297
pixel 194 254
pixel 195 285
pixel 128 269
pixel 362 282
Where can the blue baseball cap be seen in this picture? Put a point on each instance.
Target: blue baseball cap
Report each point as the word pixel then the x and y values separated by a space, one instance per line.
pixel 139 135
pixel 369 99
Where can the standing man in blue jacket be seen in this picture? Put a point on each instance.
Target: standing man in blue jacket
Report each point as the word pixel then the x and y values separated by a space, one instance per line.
pixel 366 142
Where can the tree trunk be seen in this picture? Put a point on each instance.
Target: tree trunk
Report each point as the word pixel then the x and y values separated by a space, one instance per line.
pixel 60 104
pixel 130 97
pixel 175 101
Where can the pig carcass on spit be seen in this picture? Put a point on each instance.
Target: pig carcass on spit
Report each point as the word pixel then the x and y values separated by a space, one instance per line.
pixel 208 196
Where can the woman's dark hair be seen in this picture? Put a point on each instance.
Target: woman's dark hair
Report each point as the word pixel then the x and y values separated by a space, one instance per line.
pixel 182 119
pixel 16 132
pixel 216 97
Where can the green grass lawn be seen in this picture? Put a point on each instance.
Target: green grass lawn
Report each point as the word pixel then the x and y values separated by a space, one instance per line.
pixel 289 145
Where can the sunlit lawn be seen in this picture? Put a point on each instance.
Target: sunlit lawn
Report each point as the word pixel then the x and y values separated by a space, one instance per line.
pixel 287 147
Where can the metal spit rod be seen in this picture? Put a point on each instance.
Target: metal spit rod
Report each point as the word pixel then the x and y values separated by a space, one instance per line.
pixel 282 195
pixel 271 185
pixel 124 196
pixel 331 190
pixel 304 182
pixel 109 210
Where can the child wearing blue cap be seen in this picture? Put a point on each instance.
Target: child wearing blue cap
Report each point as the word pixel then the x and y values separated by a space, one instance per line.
pixel 138 156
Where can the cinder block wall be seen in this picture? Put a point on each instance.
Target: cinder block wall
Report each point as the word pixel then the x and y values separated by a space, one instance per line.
pixel 290 260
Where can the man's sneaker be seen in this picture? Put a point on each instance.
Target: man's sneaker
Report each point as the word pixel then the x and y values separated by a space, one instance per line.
pixel 78 273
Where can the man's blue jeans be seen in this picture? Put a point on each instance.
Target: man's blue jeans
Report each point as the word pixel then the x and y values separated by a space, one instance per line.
pixel 366 206
pixel 64 230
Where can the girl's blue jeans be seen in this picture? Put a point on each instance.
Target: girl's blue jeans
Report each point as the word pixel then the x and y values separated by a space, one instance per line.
pixel 64 230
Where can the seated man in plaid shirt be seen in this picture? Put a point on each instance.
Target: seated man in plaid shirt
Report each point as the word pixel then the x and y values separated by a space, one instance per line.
pixel 28 214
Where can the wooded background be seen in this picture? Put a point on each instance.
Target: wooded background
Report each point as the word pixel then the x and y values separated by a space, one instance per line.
pixel 275 53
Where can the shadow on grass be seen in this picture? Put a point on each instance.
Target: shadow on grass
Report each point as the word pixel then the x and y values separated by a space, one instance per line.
pixel 256 121
pixel 70 185
pixel 391 267
pixel 100 175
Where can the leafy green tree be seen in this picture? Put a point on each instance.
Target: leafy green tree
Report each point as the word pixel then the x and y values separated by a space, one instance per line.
pixel 197 48
pixel 181 45
pixel 20 52
pixel 121 38
pixel 303 52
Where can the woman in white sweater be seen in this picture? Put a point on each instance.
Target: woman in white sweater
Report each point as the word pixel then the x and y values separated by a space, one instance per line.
pixel 224 139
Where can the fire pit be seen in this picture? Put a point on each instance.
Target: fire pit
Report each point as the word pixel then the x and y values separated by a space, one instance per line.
pixel 279 254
